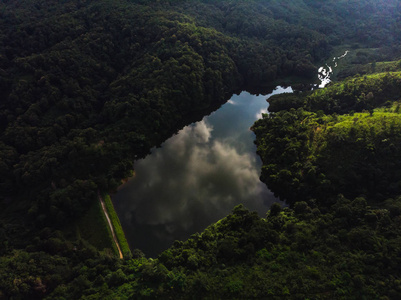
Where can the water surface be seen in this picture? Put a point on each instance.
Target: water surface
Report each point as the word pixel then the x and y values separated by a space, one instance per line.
pixel 196 178
pixel 324 73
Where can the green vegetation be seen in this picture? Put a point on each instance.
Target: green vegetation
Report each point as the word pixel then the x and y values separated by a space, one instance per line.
pixel 326 147
pixel 87 87
pixel 317 152
pixel 115 221
pixel 93 227
pixel 374 61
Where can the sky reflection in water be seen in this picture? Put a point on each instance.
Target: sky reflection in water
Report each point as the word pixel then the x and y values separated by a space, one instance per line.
pixel 196 178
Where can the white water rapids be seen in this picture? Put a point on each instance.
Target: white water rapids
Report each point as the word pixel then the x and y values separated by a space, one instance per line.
pixel 324 73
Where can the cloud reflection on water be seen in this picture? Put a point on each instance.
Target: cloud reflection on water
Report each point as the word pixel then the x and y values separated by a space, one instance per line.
pixel 196 178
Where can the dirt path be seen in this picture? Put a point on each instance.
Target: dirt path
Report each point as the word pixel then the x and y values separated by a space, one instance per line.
pixel 110 225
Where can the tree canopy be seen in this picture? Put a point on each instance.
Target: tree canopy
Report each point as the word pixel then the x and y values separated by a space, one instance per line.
pixel 87 87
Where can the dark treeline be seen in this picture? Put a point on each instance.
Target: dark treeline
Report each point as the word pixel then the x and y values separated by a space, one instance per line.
pixel 87 87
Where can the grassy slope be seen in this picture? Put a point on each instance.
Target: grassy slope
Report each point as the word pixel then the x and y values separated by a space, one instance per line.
pixel 94 228
pixel 117 227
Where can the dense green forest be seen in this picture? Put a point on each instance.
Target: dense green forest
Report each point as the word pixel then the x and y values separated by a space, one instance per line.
pixel 87 87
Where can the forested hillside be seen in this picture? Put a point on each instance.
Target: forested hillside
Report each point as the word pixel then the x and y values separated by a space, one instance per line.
pixel 343 139
pixel 87 87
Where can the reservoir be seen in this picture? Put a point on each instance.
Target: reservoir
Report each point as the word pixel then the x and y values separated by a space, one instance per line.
pixel 196 178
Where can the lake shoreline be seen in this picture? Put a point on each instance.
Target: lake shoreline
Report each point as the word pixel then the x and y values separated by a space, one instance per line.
pixel 202 133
